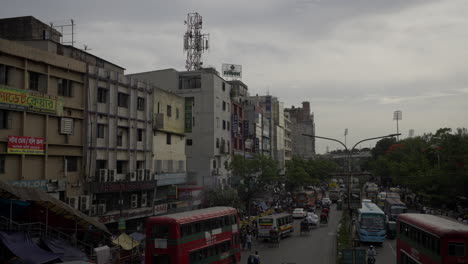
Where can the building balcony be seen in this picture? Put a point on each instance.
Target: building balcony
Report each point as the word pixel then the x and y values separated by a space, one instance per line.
pixel 170 178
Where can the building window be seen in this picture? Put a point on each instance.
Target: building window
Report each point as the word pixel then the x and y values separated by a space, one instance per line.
pixel 119 140
pixel 228 107
pixel 224 124
pixel 4 119
pixel 122 167
pixel 141 103
pixel 139 134
pixel 169 111
pixel 101 130
pixel 122 100
pixel 168 139
pixel 140 164
pixel 217 143
pixel 190 82
pixel 189 142
pixel 181 165
pixel 101 164
pixel 4 74
pixel 71 164
pixel 177 113
pixel 102 95
pixel 65 87
pixel 214 164
pixel 228 125
pixel 2 163
pixel 224 86
pixel 37 82
pixel 224 106
pixel 217 122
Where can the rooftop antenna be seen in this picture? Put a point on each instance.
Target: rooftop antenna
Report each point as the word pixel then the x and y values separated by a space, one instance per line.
pixel 195 43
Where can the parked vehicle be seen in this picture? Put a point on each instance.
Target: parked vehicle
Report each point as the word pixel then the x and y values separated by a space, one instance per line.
pixel 434 239
pixel 299 213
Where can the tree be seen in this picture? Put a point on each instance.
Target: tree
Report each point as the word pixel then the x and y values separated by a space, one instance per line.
pixel 218 197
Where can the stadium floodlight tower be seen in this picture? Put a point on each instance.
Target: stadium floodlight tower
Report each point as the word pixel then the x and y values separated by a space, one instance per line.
pixel 195 43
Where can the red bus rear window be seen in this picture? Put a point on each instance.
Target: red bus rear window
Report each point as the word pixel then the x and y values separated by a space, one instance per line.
pixel 160 231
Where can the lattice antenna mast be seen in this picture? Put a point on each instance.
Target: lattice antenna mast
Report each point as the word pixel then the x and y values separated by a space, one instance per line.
pixel 195 43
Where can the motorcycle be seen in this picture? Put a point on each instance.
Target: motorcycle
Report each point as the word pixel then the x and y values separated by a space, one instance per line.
pixel 370 260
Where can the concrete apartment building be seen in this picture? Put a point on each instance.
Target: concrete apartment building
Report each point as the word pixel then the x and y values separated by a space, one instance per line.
pixel 115 115
pixel 42 119
pixel 207 121
pixel 169 160
pixel 302 122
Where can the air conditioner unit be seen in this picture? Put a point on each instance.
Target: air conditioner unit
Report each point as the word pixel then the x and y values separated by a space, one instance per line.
pixel 134 201
pixel 148 175
pixel 132 176
pixel 101 209
pixel 144 199
pixel 93 210
pixel 84 203
pixel 103 175
pixel 112 175
pixel 140 174
pixel 73 201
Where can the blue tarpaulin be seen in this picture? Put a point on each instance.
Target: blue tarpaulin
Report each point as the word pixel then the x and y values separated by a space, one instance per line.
pixel 22 246
pixel 62 247
pixel 137 236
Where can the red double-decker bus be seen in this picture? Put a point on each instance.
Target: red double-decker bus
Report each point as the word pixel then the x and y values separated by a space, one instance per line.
pixel 431 239
pixel 208 235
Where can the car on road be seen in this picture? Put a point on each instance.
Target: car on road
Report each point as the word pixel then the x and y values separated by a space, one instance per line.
pixel 326 200
pixel 299 213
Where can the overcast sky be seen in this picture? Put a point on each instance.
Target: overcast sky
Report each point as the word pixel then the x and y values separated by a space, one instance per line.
pixel 356 61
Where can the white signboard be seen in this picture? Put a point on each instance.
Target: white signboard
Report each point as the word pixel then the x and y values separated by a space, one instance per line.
pixel 232 70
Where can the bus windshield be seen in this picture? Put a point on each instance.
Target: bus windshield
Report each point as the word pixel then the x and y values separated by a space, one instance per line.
pixel 372 222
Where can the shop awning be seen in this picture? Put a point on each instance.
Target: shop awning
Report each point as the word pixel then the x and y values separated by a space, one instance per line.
pixel 67 251
pixel 42 198
pixel 126 242
pixel 22 246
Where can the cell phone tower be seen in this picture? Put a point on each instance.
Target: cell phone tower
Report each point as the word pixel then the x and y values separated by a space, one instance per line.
pixel 195 43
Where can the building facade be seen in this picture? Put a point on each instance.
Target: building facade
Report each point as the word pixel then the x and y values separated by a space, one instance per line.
pixel 288 154
pixel 302 122
pixel 207 121
pixel 42 119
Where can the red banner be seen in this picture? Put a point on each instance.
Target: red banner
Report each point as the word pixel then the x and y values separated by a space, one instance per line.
pixel 25 145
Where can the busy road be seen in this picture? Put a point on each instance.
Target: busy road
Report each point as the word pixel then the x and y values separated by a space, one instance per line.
pixel 318 246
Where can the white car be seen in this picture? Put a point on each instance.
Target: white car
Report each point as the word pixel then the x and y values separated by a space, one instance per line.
pixel 326 201
pixel 366 201
pixel 299 213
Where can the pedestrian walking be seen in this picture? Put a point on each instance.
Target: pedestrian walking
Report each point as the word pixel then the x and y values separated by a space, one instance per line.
pixel 249 241
pixel 257 258
pixel 243 240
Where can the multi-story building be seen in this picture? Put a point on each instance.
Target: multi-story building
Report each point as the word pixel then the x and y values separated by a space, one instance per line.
pixel 242 140
pixel 169 160
pixel 115 116
pixel 302 123
pixel 287 137
pixel 42 119
pixel 207 121
pixel 272 110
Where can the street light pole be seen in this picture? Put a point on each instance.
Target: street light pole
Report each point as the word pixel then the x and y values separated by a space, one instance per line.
pixel 350 156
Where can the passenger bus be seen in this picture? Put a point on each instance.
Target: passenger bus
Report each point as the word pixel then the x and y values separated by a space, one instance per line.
pixel 282 222
pixel 394 207
pixel 431 239
pixel 209 235
pixel 370 226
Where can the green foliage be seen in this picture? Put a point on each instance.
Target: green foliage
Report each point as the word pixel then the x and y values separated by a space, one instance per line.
pixel 251 176
pixel 218 197
pixel 300 172
pixel 433 165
